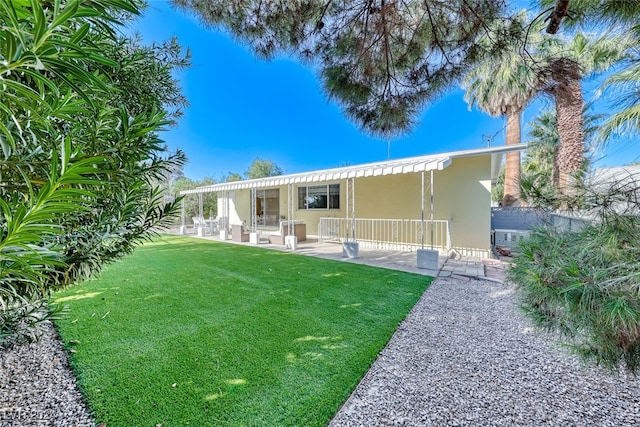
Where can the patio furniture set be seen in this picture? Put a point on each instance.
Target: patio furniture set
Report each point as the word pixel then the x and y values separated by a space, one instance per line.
pixel 240 234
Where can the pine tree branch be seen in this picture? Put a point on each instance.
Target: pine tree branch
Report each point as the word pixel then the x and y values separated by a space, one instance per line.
pixel 561 10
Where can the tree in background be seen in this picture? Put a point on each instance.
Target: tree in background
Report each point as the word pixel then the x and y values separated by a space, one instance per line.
pixel 191 203
pixel 260 168
pixel 625 89
pixel 536 178
pixel 618 17
pixel 78 158
pixel 624 86
pixel 231 177
pixel 502 86
pixel 564 64
pixel 536 181
pixel 497 191
pixel 381 61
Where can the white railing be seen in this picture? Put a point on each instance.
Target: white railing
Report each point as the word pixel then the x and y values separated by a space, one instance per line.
pixel 396 234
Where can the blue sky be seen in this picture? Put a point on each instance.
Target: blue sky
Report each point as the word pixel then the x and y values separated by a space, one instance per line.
pixel 243 107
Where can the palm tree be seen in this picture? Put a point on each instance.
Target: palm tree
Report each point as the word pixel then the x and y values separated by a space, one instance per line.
pixel 503 85
pixel 563 65
pixel 536 181
pixel 625 86
pixel 621 17
pixel 626 83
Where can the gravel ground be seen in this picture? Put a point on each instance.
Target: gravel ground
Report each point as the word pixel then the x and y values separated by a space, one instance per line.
pixel 465 356
pixel 37 387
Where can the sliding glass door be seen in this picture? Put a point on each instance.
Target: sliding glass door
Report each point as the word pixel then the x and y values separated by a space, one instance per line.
pixel 268 207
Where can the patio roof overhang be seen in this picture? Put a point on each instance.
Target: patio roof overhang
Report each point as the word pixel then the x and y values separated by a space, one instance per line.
pixel 388 167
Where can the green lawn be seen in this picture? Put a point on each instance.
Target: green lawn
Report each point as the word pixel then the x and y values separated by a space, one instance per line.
pixel 190 332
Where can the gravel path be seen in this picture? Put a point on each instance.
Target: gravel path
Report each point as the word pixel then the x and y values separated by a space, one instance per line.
pixel 465 356
pixel 37 387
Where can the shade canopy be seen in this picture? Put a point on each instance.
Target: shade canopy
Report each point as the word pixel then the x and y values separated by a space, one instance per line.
pixel 388 167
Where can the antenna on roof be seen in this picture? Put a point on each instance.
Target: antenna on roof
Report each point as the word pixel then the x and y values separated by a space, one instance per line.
pixel 486 139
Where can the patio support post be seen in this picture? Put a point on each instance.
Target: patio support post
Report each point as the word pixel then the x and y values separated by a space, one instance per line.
pixel 427 258
pixel 291 206
pixel 200 215
pixel 224 218
pixel 353 208
pixel 346 212
pixel 290 240
pixel 183 226
pixel 422 212
pixel 431 207
pixel 350 249
pixel 254 236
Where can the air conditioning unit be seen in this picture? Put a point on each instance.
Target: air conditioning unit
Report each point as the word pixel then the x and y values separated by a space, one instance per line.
pixel 509 238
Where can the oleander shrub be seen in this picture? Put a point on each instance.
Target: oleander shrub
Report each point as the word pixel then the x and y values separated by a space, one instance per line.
pixel 80 154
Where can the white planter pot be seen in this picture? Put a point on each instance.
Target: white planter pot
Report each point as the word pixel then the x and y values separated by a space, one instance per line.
pixel 350 249
pixel 254 238
pixel 428 259
pixel 291 242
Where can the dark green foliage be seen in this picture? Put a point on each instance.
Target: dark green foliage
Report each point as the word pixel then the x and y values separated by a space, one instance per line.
pixel 382 61
pixel 190 332
pixel 621 17
pixel 536 176
pixel 191 202
pixel 261 168
pixel 79 157
pixel 497 192
pixel 614 14
pixel 144 76
pixel 585 284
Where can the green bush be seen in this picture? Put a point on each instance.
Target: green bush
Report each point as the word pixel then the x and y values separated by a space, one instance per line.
pixel 79 156
pixel 585 285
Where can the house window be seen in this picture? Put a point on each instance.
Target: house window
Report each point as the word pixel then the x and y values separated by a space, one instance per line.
pixel 319 197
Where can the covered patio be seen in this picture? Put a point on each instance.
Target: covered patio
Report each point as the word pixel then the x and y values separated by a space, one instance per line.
pixel 439 202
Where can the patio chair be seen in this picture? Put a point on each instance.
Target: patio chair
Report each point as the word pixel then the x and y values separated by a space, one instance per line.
pixel 238 233
pixel 299 230
pixel 200 222
pixel 212 224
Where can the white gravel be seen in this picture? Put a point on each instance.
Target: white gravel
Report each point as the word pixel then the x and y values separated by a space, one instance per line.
pixel 37 387
pixel 465 356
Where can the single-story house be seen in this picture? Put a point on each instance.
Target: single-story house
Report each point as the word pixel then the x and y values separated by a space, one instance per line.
pixel 440 201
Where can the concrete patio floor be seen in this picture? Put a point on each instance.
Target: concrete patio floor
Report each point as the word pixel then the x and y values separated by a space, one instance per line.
pixel 486 269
